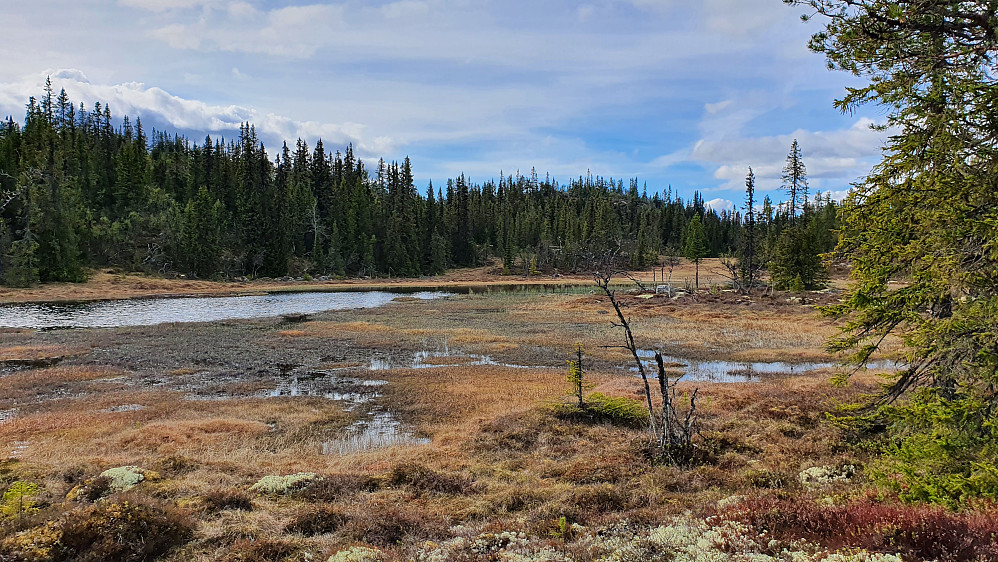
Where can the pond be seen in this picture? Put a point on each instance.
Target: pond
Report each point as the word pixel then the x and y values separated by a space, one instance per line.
pixel 737 371
pixel 148 312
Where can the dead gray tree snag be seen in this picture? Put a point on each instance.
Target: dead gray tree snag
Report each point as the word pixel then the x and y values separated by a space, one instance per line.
pixel 678 433
pixel 673 432
pixel 603 282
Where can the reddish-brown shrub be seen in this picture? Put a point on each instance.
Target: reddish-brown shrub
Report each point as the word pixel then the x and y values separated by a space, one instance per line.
pixel 262 550
pixel 426 479
pixel 220 500
pixel 600 497
pixel 333 487
pixel 123 530
pixel 382 522
pixel 917 532
pixel 317 521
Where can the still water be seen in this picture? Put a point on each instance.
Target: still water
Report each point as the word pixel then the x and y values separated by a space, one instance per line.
pixel 148 312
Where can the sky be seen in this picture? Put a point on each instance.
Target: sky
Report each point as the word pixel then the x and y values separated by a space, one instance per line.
pixel 679 94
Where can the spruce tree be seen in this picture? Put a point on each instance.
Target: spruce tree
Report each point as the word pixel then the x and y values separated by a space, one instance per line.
pixel 795 182
pixel 747 247
pixel 695 246
pixel 926 215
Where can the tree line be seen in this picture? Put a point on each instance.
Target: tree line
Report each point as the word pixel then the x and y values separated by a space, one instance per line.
pixel 83 190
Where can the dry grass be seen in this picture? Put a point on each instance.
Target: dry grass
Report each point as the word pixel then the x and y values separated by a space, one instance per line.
pixel 107 284
pixel 30 352
pixel 499 459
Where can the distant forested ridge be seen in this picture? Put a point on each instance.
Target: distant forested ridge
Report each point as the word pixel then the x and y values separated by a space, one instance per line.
pixel 81 190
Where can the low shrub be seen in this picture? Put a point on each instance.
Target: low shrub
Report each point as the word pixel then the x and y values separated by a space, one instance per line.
pixel 509 434
pixel 605 468
pixel 917 532
pixel 383 522
pixel 513 499
pixel 599 498
pixel 124 531
pixel 91 490
pixel 425 479
pixel 176 465
pixel 263 550
pixel 333 487
pixel 220 500
pixel 317 521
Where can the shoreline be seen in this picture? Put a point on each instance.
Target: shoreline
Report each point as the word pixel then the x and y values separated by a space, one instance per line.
pixel 104 286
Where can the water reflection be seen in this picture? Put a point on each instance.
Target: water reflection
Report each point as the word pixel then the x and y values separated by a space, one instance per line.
pixel 382 430
pixel 736 371
pixel 378 428
pixel 148 312
pixel 425 360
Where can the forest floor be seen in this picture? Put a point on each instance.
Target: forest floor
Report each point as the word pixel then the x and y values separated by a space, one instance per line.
pixel 434 430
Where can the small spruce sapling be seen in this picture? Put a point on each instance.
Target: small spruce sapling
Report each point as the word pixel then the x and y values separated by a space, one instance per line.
pixel 18 499
pixel 575 375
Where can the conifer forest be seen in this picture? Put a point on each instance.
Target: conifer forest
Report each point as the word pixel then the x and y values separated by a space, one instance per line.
pixel 84 190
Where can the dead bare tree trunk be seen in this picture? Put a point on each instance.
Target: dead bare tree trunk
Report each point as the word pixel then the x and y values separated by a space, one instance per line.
pixel 603 282
pixel 674 435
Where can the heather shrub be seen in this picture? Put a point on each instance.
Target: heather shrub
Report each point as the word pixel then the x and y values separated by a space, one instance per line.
pixel 604 468
pixel 220 500
pixel 123 530
pixel 333 487
pixel 91 490
pixel 508 434
pixel 425 479
pixel 264 550
pixel 513 499
pixel 599 497
pixel 383 522
pixel 317 520
pixel 916 532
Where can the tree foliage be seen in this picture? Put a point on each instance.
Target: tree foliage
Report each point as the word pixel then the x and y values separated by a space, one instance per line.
pixel 695 247
pixel 81 189
pixel 926 215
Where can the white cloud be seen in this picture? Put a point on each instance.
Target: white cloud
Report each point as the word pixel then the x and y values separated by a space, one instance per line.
pixel 717 107
pixel 405 9
pixel 720 205
pixel 605 85
pixel 155 104
pixel 294 31
pixel 163 5
pixel 833 158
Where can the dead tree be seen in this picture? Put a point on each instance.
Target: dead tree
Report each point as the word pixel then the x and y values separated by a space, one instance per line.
pixel 732 271
pixel 603 282
pixel 674 433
